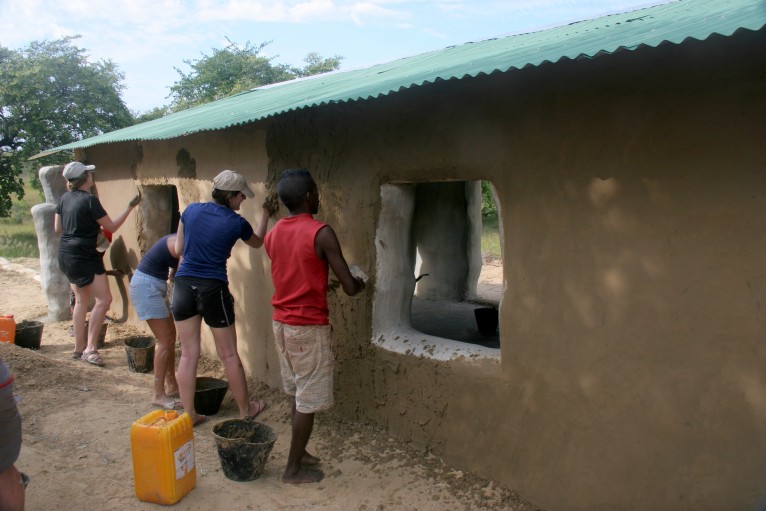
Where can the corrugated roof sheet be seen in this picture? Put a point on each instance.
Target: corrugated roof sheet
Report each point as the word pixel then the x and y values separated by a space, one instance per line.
pixel 672 22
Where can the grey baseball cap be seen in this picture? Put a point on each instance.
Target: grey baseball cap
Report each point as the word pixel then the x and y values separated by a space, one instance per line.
pixel 232 181
pixel 76 169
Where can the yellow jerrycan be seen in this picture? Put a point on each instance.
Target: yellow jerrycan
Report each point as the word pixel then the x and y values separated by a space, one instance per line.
pixel 162 444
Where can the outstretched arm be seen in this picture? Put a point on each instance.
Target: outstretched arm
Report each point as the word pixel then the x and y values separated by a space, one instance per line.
pixel 256 240
pixel 327 247
pixel 112 225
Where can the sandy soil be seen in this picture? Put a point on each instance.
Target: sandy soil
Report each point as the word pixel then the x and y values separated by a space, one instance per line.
pixel 77 419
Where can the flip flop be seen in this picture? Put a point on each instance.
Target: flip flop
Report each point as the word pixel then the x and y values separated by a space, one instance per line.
pixel 200 419
pixel 170 404
pixel 92 357
pixel 261 407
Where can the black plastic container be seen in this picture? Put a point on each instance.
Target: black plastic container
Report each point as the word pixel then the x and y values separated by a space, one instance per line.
pixel 486 320
pixel 29 334
pixel 209 394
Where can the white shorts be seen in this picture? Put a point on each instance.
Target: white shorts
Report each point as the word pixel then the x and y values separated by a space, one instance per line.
pixel 306 363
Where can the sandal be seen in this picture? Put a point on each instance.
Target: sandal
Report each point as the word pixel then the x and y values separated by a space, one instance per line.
pixel 260 406
pixel 77 355
pixel 92 357
pixel 169 404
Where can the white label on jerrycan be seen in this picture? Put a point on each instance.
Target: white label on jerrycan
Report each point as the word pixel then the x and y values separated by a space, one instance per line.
pixel 184 457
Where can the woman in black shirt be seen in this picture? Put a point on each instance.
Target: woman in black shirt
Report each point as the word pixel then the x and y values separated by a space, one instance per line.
pixel 79 219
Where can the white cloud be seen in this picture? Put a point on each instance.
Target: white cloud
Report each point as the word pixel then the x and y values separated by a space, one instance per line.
pixel 300 11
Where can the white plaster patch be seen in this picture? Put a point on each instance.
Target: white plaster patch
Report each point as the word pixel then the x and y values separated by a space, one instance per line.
pixel 407 341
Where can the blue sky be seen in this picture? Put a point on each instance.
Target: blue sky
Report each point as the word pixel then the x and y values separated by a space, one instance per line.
pixel 147 38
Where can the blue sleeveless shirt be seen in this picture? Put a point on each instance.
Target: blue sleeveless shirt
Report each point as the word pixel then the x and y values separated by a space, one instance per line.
pixel 158 260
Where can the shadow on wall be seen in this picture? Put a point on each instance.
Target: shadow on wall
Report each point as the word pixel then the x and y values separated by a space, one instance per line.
pixel 122 260
pixel 187 166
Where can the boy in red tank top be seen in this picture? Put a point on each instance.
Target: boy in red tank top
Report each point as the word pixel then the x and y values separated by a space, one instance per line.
pixel 301 249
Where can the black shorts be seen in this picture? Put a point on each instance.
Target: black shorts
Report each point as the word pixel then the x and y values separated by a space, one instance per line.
pixel 208 298
pixel 81 265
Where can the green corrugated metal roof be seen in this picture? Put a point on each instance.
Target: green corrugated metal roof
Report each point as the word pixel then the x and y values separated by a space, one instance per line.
pixel 668 23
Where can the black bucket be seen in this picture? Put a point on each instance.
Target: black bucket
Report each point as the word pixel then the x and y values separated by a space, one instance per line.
pixel 243 447
pixel 140 353
pixel 486 320
pixel 101 334
pixel 209 394
pixel 29 334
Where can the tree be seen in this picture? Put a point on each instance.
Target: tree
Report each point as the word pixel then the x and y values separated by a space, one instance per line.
pixel 51 95
pixel 235 69
pixel 488 206
pixel 315 65
pixel 150 115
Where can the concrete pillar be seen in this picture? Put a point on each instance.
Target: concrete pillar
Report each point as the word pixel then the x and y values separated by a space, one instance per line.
pixel 395 259
pixel 53 281
pixel 443 236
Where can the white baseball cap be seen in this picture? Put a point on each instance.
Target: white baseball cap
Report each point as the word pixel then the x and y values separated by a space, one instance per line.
pixel 76 169
pixel 231 181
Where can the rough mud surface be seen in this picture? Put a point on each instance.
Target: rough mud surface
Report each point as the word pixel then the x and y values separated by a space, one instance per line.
pixel 77 418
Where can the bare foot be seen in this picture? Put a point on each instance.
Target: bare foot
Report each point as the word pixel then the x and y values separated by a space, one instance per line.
pixel 309 460
pixel 304 475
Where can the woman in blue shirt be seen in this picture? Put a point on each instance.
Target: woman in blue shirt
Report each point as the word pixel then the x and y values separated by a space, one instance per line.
pixel 206 234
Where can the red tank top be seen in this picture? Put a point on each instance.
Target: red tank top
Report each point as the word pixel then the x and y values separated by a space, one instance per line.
pixel 298 274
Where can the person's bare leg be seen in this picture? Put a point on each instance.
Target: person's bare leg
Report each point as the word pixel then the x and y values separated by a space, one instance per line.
pixel 99 290
pixel 307 459
pixel 295 472
pixel 11 490
pixel 226 346
pixel 164 360
pixel 189 333
pixel 80 310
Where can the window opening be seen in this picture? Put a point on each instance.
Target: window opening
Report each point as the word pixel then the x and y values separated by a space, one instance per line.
pixel 433 270
pixel 159 212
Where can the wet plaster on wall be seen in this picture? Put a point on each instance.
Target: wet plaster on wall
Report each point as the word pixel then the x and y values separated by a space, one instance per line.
pixel 617 257
pixel 403 381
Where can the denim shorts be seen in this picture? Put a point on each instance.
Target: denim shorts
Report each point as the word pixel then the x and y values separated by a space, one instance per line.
pixel 149 296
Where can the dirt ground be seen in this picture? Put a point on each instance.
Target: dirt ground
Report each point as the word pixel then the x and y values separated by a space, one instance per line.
pixel 77 418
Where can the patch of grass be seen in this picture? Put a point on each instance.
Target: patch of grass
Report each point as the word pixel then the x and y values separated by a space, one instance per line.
pixel 18 240
pixel 490 237
pixel 18 237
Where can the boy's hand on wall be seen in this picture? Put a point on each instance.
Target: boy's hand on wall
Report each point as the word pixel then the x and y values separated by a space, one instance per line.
pixel 358 274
